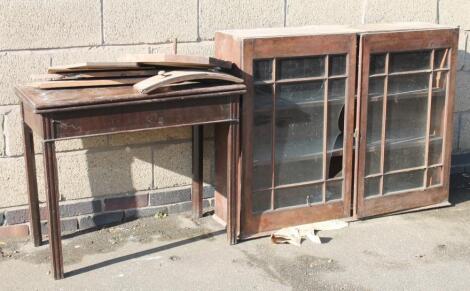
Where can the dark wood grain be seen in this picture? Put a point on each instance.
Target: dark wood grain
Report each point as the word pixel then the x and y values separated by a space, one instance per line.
pixel 243 53
pixel 52 197
pixel 71 99
pixel 390 42
pixel 197 167
pixel 33 200
pixel 74 113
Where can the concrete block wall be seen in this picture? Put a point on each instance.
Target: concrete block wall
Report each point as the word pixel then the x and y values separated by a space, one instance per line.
pixel 35 34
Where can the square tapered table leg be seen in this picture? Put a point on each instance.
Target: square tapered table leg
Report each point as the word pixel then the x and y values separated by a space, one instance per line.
pixel 52 194
pixel 198 181
pixel 33 200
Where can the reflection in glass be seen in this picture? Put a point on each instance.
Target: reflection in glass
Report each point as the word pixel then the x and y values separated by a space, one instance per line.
pixel 374 132
pixel 298 196
pixel 263 98
pixel 405 133
pixel 262 133
pixel 262 70
pixel 336 89
pixel 261 201
pixel 439 81
pixel 371 186
pixel 404 155
pixel 435 151
pixel 408 83
pixel 372 165
pixel 376 86
pixel 437 117
pixel 300 92
pixel 334 190
pixel 434 176
pixel 403 181
pixel 301 67
pixel 299 133
pixel 440 58
pixel 377 64
pixel 409 61
pixel 337 65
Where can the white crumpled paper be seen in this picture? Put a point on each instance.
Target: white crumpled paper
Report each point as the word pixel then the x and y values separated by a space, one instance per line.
pixel 296 234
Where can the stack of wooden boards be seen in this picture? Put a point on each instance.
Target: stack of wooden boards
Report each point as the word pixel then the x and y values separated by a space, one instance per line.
pixel 146 73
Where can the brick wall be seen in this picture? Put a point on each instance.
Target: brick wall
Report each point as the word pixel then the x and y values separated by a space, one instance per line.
pixel 35 34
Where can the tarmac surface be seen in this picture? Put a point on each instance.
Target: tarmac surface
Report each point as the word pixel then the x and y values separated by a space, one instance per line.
pixel 427 250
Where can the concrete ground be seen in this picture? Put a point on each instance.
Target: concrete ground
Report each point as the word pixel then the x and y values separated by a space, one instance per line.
pixel 428 250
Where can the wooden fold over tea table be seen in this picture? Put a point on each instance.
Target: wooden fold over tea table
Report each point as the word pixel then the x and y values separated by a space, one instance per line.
pixel 74 113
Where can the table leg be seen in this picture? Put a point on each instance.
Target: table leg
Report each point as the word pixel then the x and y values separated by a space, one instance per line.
pixel 197 184
pixel 232 165
pixel 34 216
pixel 52 193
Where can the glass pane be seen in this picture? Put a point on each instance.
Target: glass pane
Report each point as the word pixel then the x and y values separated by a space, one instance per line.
pixel 299 133
pixel 413 83
pixel 263 97
pixel 262 133
pixel 335 139
pixel 409 61
pixel 262 70
pixel 437 113
pixel 437 118
pixel 374 129
pixel 403 181
pixel 290 94
pixel 262 175
pixel 376 87
pixel 434 176
pixel 298 196
pixel 439 82
pixel 337 65
pixel 336 89
pixel 406 121
pixel 405 133
pixel 261 201
pixel 374 122
pixel 377 64
pixel 334 190
pixel 290 170
pixel 435 151
pixel 301 67
pixel 371 186
pixel 404 155
pixel 373 160
pixel 440 58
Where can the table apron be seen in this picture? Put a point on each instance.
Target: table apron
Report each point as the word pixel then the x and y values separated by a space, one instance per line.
pixel 141 117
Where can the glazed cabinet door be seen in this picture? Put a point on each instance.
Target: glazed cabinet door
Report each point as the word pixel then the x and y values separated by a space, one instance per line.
pixel 297 130
pixel 406 102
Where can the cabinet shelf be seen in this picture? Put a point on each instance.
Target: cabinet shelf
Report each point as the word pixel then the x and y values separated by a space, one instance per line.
pixel 300 105
pixel 402 142
pixel 438 92
pixel 302 152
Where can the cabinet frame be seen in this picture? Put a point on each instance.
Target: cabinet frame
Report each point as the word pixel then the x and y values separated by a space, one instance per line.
pixel 243 47
pixel 391 42
pixel 248 50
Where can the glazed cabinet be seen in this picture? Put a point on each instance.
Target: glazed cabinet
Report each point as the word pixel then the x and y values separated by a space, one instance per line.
pixel 340 121
pixel 406 104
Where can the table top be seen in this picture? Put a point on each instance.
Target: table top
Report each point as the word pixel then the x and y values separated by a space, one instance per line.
pixel 81 98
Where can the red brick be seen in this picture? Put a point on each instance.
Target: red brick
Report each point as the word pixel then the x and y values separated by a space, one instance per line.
pixel 20 230
pixel 126 202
